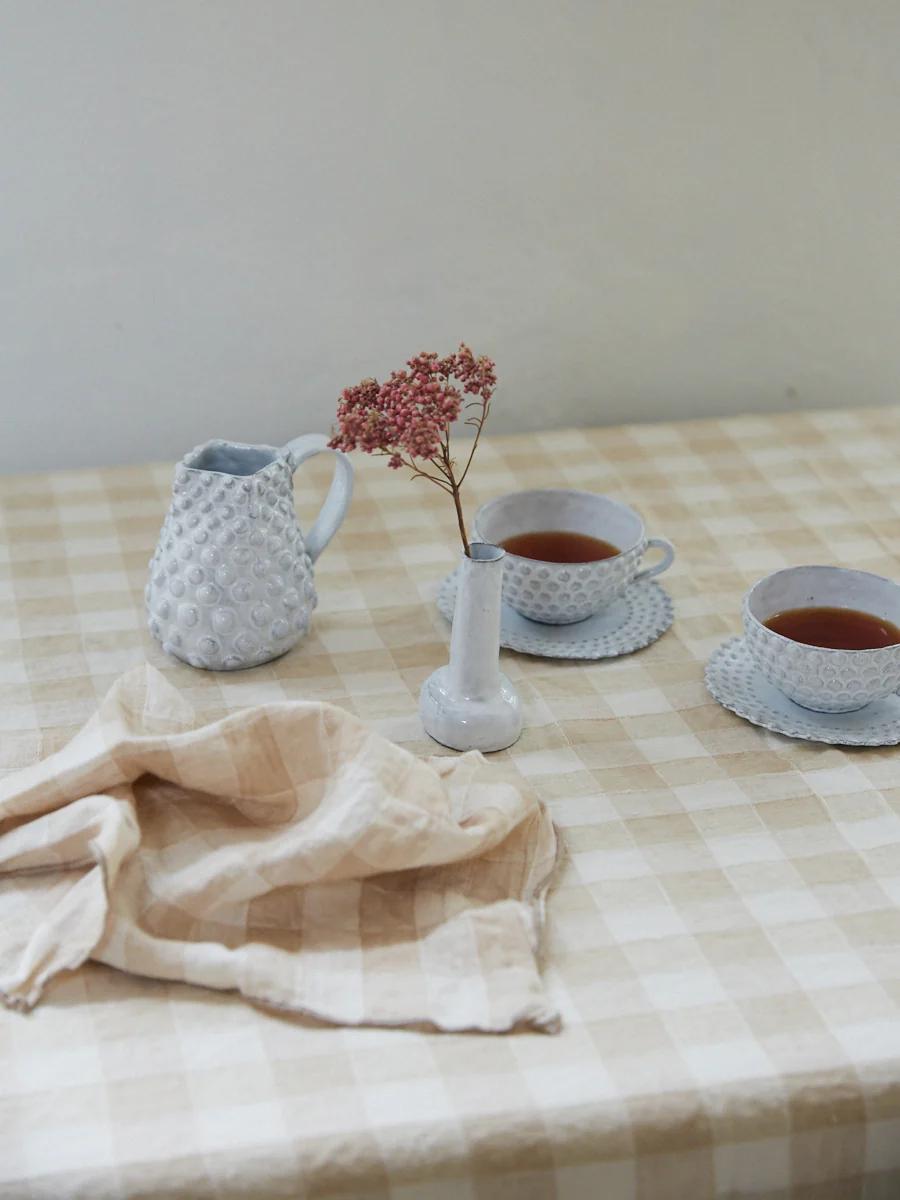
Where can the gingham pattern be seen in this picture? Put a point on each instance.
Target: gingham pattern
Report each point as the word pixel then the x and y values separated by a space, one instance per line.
pixel 724 940
pixel 287 852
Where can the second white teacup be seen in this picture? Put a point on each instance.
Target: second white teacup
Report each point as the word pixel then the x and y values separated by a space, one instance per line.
pixel 823 679
pixel 560 593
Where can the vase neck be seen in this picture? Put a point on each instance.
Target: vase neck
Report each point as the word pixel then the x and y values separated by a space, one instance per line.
pixel 475 637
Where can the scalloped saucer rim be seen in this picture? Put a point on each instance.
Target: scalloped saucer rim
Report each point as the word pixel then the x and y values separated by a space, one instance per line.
pixel 763 705
pixel 637 619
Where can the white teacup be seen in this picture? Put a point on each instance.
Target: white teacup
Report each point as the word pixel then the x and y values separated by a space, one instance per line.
pixel 562 593
pixel 831 681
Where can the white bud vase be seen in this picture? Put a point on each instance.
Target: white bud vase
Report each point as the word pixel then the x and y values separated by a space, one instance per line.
pixel 470 704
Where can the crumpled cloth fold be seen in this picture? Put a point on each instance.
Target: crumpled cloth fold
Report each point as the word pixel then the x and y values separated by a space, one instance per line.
pixel 287 852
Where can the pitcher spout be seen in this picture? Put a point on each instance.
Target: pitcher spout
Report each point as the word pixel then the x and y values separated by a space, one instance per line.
pixel 236 459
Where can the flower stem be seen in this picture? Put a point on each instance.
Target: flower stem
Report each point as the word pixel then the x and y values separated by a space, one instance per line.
pixel 460 519
pixel 479 425
pixel 454 491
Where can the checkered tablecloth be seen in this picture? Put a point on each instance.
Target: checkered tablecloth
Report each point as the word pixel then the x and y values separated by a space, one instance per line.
pixel 724 938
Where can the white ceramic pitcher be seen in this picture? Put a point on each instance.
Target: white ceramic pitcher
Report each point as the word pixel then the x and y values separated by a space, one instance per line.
pixel 231 583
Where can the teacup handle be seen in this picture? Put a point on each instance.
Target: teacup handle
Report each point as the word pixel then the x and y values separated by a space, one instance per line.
pixel 337 501
pixel 666 561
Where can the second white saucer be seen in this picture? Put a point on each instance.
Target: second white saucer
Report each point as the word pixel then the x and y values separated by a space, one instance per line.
pixel 733 679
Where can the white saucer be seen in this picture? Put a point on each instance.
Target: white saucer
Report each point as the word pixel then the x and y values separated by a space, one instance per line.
pixel 733 680
pixel 636 619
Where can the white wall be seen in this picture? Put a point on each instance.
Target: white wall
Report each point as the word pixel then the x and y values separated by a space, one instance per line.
pixel 216 213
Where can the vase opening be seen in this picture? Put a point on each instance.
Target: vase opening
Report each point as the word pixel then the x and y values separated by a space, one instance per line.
pixel 229 458
pixel 485 552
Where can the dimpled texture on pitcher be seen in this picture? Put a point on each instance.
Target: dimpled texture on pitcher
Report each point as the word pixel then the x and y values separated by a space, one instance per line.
pixel 231 584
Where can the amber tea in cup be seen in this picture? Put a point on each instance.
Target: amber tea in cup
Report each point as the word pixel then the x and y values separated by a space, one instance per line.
pixel 834 628
pixel 569 554
pixel 559 546
pixel 827 637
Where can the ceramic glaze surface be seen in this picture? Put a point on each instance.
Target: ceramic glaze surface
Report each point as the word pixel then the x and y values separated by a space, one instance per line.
pixel 231 583
pixel 636 619
pixel 563 593
pixel 469 704
pixel 823 680
pixel 733 679
pixel 560 594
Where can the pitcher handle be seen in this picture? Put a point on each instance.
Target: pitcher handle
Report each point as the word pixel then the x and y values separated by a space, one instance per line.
pixel 337 501
pixel 668 558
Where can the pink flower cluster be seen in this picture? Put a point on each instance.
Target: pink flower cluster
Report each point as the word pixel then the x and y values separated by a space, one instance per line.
pixel 412 411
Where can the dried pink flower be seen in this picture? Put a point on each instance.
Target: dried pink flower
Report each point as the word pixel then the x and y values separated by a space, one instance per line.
pixel 408 417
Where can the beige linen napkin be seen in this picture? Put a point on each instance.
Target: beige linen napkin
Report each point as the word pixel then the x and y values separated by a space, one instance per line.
pixel 285 851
